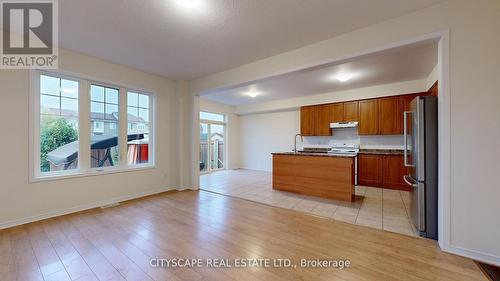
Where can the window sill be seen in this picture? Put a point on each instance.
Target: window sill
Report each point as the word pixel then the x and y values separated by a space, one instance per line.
pixel 91 173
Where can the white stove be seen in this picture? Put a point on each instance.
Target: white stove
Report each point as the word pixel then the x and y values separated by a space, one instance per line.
pixel 344 149
pixel 348 148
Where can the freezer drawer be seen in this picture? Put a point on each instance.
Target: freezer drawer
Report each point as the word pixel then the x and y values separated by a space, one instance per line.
pixel 417 203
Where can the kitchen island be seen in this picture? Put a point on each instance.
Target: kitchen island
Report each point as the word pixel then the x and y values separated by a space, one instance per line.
pixel 323 175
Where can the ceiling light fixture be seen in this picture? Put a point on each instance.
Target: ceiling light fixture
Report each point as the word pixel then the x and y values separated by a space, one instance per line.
pixel 190 4
pixel 344 77
pixel 252 94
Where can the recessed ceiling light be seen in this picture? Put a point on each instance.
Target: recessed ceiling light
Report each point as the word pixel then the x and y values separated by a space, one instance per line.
pixel 252 94
pixel 344 77
pixel 190 4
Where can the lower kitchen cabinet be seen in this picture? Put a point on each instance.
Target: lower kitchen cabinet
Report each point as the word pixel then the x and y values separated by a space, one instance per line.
pixel 393 171
pixel 369 170
pixel 384 171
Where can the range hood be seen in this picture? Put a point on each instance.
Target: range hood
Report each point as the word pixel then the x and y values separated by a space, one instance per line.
pixel 344 124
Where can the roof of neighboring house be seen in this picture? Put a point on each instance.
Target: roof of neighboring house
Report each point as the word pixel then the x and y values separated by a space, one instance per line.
pixel 204 136
pixel 98 116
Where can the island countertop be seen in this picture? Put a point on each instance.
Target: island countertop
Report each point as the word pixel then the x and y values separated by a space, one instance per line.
pixel 315 174
pixel 291 153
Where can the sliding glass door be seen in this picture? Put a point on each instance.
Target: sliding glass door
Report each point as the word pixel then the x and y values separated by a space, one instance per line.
pixel 212 142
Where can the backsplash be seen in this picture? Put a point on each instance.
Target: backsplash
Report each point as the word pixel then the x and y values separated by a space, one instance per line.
pixel 350 135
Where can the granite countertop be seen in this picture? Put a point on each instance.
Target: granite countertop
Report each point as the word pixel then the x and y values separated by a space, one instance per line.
pixel 314 154
pixel 382 151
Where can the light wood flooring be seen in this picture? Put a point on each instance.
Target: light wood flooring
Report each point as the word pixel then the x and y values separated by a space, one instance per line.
pixel 118 243
pixel 374 207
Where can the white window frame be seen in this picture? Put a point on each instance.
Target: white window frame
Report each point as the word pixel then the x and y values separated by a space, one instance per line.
pixel 84 130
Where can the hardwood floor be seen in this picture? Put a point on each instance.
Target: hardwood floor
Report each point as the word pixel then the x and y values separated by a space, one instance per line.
pixel 118 244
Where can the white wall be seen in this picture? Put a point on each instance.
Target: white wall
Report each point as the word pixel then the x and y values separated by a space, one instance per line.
pixel 262 134
pixel 232 130
pixel 474 99
pixel 21 201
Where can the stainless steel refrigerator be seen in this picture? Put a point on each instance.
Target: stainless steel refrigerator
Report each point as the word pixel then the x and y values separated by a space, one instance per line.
pixel 421 158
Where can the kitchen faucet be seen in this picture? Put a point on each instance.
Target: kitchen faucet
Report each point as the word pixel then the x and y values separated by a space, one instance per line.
pixel 295 142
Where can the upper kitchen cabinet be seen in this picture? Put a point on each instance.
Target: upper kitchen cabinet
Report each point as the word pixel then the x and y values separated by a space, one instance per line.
pixel 324 118
pixel 307 120
pixel 345 111
pixel 368 117
pixel 338 112
pixel 315 120
pixel 351 111
pixel 390 112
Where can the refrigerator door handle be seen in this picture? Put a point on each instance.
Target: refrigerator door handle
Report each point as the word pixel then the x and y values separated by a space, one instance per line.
pixel 405 131
pixel 410 181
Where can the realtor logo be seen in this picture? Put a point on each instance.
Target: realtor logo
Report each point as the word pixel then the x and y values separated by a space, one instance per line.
pixel 29 34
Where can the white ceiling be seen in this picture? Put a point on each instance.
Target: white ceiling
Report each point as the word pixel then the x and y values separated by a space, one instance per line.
pixel 396 65
pixel 157 36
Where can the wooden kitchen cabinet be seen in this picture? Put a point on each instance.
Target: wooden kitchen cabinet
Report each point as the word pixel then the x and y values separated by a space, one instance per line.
pixel 307 120
pixel 315 120
pixel 338 112
pixel 390 114
pixel 381 116
pixel 323 119
pixel 345 111
pixel 393 171
pixel 368 117
pixel 386 171
pixel 369 170
pixel 351 111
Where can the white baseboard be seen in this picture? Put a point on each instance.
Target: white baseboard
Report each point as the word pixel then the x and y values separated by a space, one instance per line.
pixel 84 207
pixel 475 255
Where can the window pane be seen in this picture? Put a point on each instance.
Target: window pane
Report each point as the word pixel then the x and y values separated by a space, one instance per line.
pixel 204 147
pixel 96 110
pixel 111 96
pixel 49 105
pixel 49 85
pixel 143 115
pixel 144 101
pixel 212 116
pixel 132 99
pixel 69 107
pixel 138 127
pixel 133 113
pixel 97 93
pixel 104 149
pixel 217 146
pixel 58 125
pixel 69 88
pixel 111 111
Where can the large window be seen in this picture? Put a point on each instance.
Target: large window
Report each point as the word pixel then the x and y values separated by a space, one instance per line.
pixel 114 132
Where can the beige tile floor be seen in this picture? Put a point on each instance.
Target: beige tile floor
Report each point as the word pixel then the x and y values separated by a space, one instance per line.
pixel 374 207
